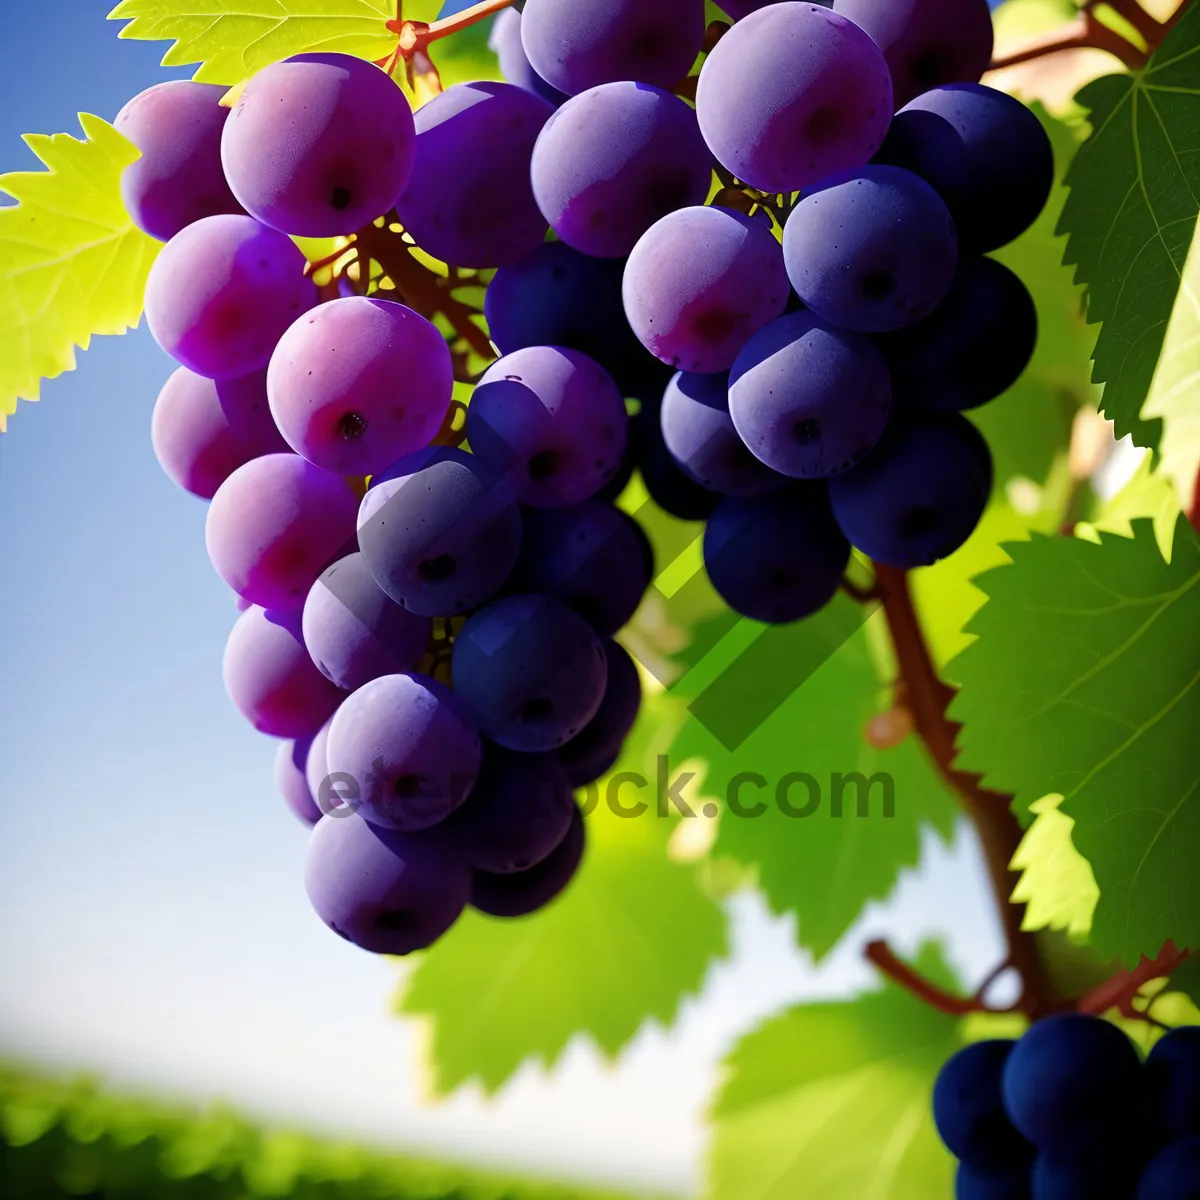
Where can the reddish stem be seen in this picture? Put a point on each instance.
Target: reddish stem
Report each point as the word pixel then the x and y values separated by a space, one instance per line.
pixel 416 35
pixel 1119 991
pixel 882 955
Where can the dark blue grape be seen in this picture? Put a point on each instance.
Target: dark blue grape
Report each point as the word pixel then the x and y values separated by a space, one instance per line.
pixel 968 1106
pixel 1070 1079
pixel 971 348
pixel 592 751
pixel 1173 1070
pixel 776 558
pixel 592 557
pixel 984 152
pixel 919 495
pixel 993 1183
pixel 670 488
pixel 525 892
pixel 531 671
pixel 1173 1174
pixel 1099 1172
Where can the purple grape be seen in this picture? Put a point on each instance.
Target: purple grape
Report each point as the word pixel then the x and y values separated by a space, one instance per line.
pixel 524 892
pixel 243 399
pixel 518 813
pixel 776 558
pixel 1070 1078
pixel 593 750
pixel 699 434
pixel 505 42
pixel 552 421
pixel 275 524
pixel 809 400
pixel 178 179
pixel 222 292
pixel 615 159
pixel 985 154
pixel 291 783
pixel 472 204
pixel 358 383
pixel 354 632
pixel 196 443
pixel 531 671
pixel 791 94
pixel 919 495
pixel 272 680
pixel 319 145
pixel 559 297
pixel 1173 1174
pixel 579 46
pixel 670 488
pixel 383 890
pixel 411 748
pixel 972 348
pixel 992 1183
pixel 737 9
pixel 872 251
pixel 700 283
pixel 316 770
pixel 968 1106
pixel 1173 1072
pixel 926 42
pixel 439 532
pixel 591 556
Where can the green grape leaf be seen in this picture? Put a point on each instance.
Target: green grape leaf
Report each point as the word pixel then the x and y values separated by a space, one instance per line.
pixel 630 937
pixel 830 1101
pixel 1148 493
pixel 1186 978
pixel 1131 214
pixel 72 264
pixel 1030 424
pixel 1083 681
pixel 866 807
pixel 231 39
pixel 1057 885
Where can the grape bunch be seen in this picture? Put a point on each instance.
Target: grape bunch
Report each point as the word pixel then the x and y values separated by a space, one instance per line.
pixel 773 304
pixel 1070 1112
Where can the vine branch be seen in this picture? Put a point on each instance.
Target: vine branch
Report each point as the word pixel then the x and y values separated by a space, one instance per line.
pixel 882 955
pixel 1119 991
pixel 417 35
pixel 1086 32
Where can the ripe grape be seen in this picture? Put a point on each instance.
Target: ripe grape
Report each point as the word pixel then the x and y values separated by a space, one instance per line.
pixel 552 421
pixel 673 490
pixel 615 159
pixel 738 9
pixel 776 558
pixel 809 400
pixel 524 892
pixel 919 495
pixel 178 179
pixel 1173 1069
pixel 985 154
pixel 222 292
pixel 926 42
pixel 316 771
pixel 591 752
pixel 243 399
pixel 291 783
pixel 531 671
pixel 410 746
pixel 472 203
pixel 791 94
pixel 519 812
pixel 971 348
pixel 968 1107
pixel 591 556
pixel 354 632
pixel 439 532
pixel 270 677
pixel 386 891
pixel 1173 1174
pixel 358 383
pixel 992 1183
pixel 871 250
pixel 275 524
pixel 505 42
pixel 1104 1170
pixel 1069 1079
pixel 196 442
pixel 699 434
pixel 319 145
pixel 577 46
pixel 700 283
pixel 559 297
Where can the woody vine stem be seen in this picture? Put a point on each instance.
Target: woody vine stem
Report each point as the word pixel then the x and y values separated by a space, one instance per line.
pixel 920 690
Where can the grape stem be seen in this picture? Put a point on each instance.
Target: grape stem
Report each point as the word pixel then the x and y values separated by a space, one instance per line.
pixel 417 35
pixel 1119 991
pixel 928 697
pixel 1086 32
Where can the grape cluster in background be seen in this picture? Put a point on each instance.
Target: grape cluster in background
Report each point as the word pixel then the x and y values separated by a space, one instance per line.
pixel 774 305
pixel 1070 1112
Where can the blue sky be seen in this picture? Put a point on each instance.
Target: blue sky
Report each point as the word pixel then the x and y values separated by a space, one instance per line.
pixel 153 926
